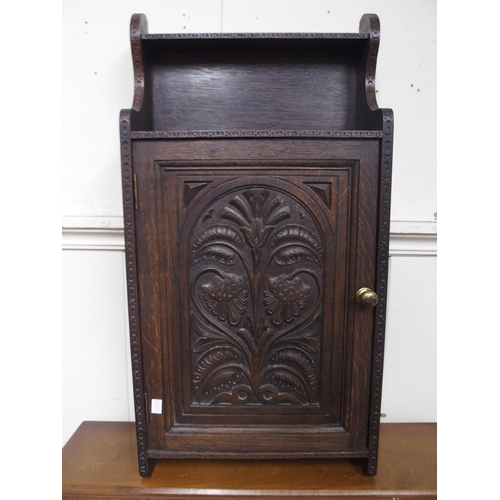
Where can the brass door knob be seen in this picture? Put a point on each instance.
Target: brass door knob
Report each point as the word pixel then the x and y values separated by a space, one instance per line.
pixel 367 297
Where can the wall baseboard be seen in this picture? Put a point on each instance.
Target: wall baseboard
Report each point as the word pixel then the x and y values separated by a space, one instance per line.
pixel 408 238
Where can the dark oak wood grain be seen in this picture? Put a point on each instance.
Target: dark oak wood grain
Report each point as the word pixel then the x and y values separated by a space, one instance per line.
pixel 99 461
pixel 256 179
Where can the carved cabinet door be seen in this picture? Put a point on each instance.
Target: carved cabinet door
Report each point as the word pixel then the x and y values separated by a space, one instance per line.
pixel 249 260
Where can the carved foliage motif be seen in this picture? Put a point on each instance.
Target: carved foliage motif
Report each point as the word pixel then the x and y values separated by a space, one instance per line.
pixel 255 301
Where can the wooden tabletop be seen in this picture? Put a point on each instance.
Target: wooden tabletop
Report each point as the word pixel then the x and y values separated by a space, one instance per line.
pixel 100 461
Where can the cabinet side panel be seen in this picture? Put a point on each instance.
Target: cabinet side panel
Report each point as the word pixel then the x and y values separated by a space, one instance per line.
pixel 145 465
pixel 384 211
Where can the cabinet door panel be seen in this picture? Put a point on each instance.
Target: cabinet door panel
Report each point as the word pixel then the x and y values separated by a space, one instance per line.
pixel 248 286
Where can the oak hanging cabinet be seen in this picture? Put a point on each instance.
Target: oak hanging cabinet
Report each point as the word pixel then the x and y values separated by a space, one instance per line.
pixel 256 185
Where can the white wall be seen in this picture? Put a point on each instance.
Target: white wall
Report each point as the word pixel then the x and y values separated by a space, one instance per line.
pixel 96 369
pixel 98 82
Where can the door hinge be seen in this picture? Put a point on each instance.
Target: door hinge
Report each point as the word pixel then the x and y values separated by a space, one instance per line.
pixel 136 196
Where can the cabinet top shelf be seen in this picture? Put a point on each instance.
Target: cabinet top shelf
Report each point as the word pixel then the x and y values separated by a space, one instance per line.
pixel 254 84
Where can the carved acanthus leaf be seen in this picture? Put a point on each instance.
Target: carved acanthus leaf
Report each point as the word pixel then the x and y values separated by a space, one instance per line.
pixel 216 365
pixel 295 370
pixel 219 233
pixel 295 233
pixel 217 253
pixel 294 254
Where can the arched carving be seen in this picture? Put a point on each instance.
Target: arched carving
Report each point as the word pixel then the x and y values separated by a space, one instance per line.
pixel 255 281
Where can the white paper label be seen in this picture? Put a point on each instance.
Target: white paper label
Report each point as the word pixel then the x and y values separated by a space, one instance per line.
pixel 156 406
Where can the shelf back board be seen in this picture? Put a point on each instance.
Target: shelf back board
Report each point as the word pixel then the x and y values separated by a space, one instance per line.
pixel 256 83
